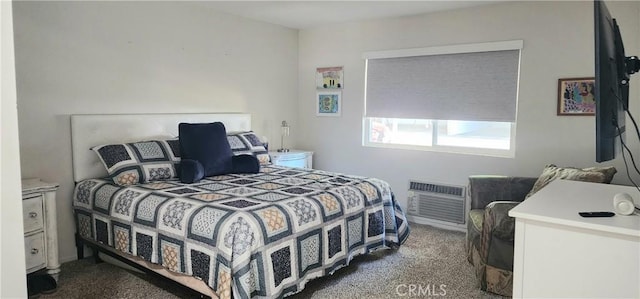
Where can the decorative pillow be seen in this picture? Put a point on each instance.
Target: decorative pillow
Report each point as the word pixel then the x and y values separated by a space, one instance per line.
pixel 207 144
pixel 592 174
pixel 191 171
pixel 140 162
pixel 245 164
pixel 248 143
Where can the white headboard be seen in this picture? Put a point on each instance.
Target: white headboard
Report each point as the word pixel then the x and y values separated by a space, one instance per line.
pixel 89 130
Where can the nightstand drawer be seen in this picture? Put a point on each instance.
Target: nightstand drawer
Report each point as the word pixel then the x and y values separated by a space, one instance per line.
pixel 293 158
pixel 40 229
pixel 34 251
pixel 288 156
pixel 300 162
pixel 32 214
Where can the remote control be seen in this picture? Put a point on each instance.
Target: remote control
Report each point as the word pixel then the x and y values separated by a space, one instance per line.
pixel 596 214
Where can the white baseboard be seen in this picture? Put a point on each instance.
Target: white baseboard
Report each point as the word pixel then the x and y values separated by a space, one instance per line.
pixel 70 258
pixel 437 223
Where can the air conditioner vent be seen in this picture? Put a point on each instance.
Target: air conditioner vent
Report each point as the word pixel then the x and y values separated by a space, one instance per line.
pixel 436 188
pixel 432 201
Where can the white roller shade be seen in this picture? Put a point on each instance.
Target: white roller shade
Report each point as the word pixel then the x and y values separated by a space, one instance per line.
pixel 479 86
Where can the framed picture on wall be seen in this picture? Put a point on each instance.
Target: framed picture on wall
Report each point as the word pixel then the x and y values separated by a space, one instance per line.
pixel 576 96
pixel 328 103
pixel 329 77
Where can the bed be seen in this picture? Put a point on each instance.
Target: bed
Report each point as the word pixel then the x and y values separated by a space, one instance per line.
pixel 261 235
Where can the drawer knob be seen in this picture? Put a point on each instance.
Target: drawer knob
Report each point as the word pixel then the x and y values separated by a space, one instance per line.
pixel 33 214
pixel 34 251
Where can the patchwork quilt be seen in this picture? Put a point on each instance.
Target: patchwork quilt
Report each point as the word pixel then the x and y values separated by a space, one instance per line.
pixel 253 235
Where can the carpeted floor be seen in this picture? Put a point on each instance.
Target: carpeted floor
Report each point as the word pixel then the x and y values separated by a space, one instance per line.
pixel 432 262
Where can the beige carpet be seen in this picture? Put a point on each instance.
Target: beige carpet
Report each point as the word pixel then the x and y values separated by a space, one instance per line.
pixel 431 262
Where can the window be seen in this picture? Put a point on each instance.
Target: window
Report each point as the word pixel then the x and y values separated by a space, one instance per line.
pixel 458 99
pixel 472 137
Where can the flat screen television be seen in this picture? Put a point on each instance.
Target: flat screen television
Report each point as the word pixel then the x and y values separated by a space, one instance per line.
pixel 613 69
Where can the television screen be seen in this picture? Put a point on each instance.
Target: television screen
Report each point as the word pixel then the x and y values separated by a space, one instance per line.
pixel 611 84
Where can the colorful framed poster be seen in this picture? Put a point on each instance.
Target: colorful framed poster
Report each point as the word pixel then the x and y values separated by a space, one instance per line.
pixel 576 96
pixel 329 77
pixel 328 103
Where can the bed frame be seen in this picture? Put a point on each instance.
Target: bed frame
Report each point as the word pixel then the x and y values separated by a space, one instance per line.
pixel 89 130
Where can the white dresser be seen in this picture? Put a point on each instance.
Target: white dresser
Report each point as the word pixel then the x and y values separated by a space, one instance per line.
pixel 40 226
pixel 292 158
pixel 559 254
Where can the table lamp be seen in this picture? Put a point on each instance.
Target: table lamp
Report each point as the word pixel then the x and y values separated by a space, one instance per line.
pixel 284 130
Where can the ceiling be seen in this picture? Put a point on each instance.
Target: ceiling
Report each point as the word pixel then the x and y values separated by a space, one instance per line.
pixel 310 14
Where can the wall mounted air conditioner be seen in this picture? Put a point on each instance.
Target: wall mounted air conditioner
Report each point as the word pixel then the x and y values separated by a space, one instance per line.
pixel 437 205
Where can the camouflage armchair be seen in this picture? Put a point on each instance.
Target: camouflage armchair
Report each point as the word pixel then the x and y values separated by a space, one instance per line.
pixel 490 230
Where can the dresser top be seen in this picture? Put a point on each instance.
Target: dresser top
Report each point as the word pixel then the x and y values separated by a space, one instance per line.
pixel 36 185
pixel 561 200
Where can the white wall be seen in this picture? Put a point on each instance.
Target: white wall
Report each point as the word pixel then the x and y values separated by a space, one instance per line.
pixel 145 57
pixel 558 43
pixel 140 57
pixel 13 282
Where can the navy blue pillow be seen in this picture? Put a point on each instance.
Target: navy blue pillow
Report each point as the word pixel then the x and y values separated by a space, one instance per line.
pixel 246 163
pixel 191 171
pixel 206 143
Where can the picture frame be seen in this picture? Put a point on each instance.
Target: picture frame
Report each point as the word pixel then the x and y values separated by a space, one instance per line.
pixel 329 77
pixel 328 103
pixel 576 96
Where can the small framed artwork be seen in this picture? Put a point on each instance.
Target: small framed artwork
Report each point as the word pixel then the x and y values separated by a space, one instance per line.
pixel 329 77
pixel 328 103
pixel 576 96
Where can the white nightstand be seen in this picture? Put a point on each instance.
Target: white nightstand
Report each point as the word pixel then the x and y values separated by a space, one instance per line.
pixel 292 158
pixel 40 226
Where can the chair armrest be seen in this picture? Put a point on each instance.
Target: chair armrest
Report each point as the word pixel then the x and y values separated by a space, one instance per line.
pixel 497 221
pixel 484 189
pixel 498 231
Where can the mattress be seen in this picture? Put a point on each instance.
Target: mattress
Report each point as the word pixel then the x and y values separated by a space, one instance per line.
pixel 261 235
